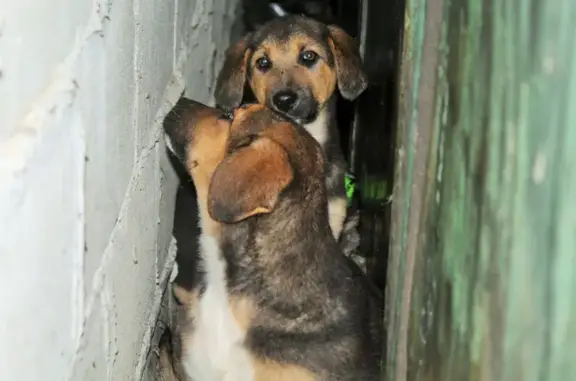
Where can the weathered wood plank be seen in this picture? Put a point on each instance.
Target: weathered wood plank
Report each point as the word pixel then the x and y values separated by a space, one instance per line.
pixel 482 273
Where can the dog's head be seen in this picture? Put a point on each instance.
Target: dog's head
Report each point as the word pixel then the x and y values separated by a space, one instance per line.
pixel 293 65
pixel 242 162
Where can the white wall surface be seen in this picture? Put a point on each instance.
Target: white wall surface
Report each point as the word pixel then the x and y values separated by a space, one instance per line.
pixel 86 191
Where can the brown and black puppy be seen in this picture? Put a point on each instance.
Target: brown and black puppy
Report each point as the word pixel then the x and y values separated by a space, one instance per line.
pixel 295 66
pixel 275 298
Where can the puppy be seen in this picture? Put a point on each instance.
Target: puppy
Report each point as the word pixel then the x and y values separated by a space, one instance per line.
pixel 294 66
pixel 275 298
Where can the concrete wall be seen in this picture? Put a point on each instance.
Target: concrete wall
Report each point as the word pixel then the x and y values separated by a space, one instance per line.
pixel 86 191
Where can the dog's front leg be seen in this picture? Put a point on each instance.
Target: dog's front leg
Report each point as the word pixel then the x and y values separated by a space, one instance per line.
pixel 166 365
pixel 337 213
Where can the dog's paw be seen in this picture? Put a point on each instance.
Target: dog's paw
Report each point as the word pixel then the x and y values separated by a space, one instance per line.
pixel 350 237
pixel 350 240
pixel 360 261
pixel 165 370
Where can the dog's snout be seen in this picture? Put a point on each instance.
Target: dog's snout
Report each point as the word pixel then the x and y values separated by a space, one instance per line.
pixel 285 100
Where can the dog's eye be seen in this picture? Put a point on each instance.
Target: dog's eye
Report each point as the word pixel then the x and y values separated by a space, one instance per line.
pixel 308 58
pixel 263 64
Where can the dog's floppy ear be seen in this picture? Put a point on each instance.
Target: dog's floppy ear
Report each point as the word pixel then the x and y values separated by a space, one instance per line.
pixel 352 80
pixel 249 181
pixel 232 77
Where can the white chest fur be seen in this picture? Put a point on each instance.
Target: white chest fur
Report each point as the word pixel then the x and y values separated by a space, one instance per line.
pixel 319 127
pixel 215 351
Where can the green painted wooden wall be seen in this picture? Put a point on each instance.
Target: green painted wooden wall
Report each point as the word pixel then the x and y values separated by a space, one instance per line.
pixel 482 271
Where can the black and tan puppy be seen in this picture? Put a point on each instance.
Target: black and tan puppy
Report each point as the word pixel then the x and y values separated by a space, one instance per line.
pixel 275 298
pixel 295 65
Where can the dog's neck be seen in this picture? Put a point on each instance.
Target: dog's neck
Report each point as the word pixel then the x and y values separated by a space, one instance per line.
pixel 207 225
pixel 322 128
pixel 270 247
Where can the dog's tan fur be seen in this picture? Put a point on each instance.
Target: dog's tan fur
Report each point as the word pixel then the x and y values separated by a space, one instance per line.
pixel 209 143
pixel 322 79
pixel 345 72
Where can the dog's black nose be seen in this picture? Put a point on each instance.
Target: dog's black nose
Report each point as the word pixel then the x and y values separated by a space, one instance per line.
pixel 285 100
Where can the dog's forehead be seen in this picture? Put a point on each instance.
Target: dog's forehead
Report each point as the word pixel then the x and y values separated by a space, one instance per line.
pixel 285 29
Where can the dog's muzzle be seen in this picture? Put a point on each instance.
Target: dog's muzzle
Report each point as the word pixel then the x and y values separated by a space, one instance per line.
pixel 298 105
pixel 285 100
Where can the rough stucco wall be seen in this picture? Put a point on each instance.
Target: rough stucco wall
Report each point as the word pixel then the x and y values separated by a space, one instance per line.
pixel 86 190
